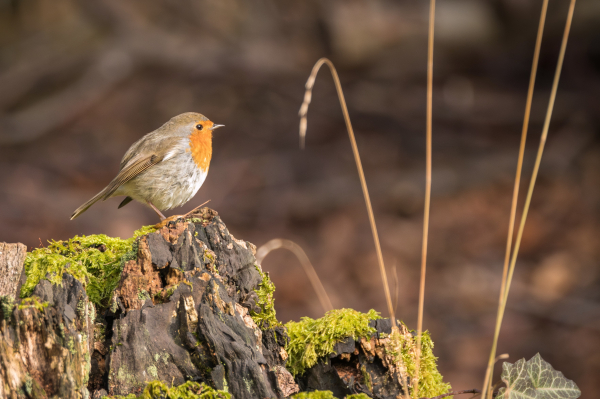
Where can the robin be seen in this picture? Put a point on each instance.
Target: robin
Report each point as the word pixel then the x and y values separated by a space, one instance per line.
pixel 165 168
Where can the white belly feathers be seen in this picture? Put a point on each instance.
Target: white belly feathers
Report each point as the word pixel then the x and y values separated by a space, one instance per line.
pixel 169 184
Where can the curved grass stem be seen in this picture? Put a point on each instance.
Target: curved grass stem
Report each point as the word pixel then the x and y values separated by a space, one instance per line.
pixel 302 113
pixel 314 279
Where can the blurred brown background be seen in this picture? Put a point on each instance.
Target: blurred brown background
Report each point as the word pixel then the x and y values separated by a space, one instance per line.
pixel 81 81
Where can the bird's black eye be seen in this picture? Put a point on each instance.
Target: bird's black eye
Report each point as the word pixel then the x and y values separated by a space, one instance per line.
pixel 199 126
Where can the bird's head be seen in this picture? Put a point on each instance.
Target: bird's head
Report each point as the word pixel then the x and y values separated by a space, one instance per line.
pixel 198 129
pixel 192 123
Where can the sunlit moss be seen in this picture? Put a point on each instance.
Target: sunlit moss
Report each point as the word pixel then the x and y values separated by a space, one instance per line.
pixel 266 318
pixel 311 339
pixel 314 395
pixel 187 390
pixel 402 348
pixel 33 302
pixel 326 395
pixel 431 382
pixel 95 260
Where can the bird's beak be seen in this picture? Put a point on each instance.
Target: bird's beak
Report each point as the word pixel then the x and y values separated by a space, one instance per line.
pixel 216 127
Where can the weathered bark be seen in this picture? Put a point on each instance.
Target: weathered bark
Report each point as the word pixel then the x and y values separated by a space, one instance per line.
pixel 12 257
pixel 46 353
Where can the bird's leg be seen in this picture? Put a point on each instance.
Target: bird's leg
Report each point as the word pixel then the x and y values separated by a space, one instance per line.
pixel 160 215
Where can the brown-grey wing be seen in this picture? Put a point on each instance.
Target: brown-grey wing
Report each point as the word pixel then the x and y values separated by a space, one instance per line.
pixel 156 149
pixel 145 141
pixel 130 171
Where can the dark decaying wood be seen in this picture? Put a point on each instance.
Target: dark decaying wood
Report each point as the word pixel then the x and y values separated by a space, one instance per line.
pixel 202 331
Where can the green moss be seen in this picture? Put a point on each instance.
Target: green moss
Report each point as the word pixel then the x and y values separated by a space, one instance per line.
pixel 92 314
pixel 431 382
pixel 402 349
pixel 153 371
pixel 33 302
pixel 96 261
pixel 187 390
pixel 248 385
pixel 266 318
pixel 171 291
pixel 311 339
pixel 99 332
pixel 71 346
pixel 7 304
pixel 314 395
pixel 28 384
pixel 326 395
pixel 143 295
pixel 114 305
pixel 81 308
pixel 124 376
pixel 366 378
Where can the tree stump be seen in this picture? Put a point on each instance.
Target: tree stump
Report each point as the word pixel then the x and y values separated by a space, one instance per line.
pixel 185 311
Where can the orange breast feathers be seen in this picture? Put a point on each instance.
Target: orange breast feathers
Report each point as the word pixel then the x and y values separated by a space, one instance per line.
pixel 201 148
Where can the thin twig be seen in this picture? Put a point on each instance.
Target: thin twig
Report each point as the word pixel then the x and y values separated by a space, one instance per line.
pixel 513 209
pixel 455 393
pixel 314 279
pixel 427 193
pixel 302 113
pixel 536 168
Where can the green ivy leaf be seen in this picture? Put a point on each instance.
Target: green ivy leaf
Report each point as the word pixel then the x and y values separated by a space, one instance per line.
pixel 535 379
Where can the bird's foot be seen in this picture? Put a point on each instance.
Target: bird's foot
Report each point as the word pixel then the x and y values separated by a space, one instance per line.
pixel 188 215
pixel 164 221
pixel 193 211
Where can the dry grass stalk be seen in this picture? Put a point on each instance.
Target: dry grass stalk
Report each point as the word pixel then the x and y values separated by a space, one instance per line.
pixel 513 209
pixel 276 243
pixel 396 287
pixel 487 392
pixel 427 192
pixel 302 113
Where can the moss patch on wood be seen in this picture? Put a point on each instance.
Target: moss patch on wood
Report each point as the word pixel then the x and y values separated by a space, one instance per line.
pixel 314 395
pixel 266 318
pixel 33 302
pixel 326 395
pixel 187 390
pixel 401 347
pixel 95 260
pixel 311 339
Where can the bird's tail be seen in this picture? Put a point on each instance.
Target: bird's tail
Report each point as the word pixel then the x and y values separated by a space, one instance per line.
pixel 100 196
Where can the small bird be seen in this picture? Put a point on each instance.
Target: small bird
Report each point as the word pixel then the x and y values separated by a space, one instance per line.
pixel 165 168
